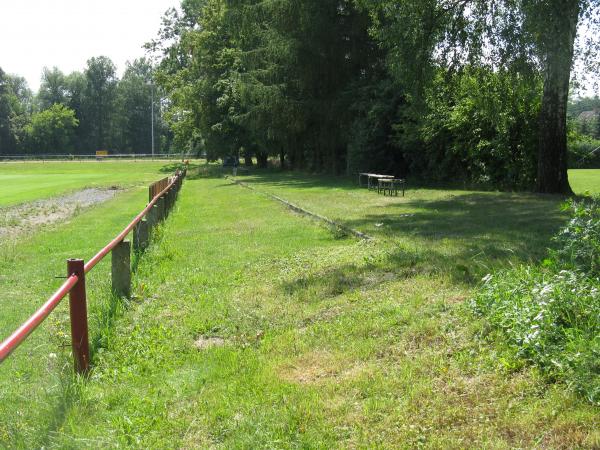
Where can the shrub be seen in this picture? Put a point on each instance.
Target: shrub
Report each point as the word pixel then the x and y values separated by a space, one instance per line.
pixel 549 316
pixel 584 154
pixel 579 241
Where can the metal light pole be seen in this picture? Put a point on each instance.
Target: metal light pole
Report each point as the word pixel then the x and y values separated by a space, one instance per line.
pixel 152 114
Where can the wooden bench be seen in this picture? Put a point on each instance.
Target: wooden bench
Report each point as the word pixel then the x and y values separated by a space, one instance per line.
pixel 391 185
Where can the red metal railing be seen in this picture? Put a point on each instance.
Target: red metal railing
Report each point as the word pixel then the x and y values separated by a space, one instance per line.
pixel 75 283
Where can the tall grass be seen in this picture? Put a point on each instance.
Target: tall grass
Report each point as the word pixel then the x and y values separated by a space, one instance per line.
pixel 550 314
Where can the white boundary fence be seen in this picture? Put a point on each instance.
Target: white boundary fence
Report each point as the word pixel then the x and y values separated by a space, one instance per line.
pixel 90 157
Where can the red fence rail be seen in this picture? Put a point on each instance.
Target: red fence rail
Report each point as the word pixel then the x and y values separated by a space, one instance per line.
pixel 156 210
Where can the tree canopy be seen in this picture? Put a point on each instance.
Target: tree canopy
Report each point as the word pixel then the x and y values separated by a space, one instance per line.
pixel 443 89
pixel 107 113
pixel 461 90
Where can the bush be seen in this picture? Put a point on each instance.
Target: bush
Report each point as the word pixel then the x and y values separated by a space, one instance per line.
pixel 579 241
pixel 549 316
pixel 584 154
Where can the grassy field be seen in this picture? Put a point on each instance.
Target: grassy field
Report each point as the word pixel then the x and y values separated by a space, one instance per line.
pixel 23 182
pixel 585 180
pixel 252 326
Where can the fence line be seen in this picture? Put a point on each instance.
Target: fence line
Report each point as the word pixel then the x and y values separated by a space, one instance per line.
pixel 157 209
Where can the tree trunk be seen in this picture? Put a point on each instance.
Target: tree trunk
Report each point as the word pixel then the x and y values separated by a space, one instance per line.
pixel 552 150
pixel 262 160
pixel 248 158
pixel 282 159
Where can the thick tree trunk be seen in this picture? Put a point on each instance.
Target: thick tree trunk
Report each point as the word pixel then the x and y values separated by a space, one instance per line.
pixel 262 160
pixel 552 151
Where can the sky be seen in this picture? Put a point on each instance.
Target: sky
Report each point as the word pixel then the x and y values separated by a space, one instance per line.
pixel 66 33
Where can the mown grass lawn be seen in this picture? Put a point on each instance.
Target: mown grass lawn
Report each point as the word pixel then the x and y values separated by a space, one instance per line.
pixel 23 182
pixel 252 326
pixel 585 180
pixel 34 383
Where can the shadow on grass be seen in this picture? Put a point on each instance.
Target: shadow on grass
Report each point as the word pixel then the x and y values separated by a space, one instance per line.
pixel 299 179
pixel 392 266
pixel 462 238
pixel 335 281
pixel 496 226
pixel 493 223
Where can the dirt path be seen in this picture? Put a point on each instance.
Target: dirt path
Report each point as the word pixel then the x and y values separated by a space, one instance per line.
pixel 16 220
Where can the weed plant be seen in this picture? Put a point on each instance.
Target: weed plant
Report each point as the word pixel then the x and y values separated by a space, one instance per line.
pixel 550 314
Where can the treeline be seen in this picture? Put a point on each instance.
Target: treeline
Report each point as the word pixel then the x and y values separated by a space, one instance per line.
pixel 584 114
pixel 443 89
pixel 82 112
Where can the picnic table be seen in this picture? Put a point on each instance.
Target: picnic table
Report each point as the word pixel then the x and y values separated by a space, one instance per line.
pixel 391 185
pixel 375 176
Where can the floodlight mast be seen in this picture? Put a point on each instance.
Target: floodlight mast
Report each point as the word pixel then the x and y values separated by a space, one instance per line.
pixel 152 113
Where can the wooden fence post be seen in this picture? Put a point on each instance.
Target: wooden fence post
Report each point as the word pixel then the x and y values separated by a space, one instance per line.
pixel 161 208
pixel 171 197
pixel 167 197
pixel 121 269
pixel 141 236
pixel 78 315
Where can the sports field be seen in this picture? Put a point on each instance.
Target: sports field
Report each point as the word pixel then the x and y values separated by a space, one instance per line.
pixel 253 326
pixel 23 182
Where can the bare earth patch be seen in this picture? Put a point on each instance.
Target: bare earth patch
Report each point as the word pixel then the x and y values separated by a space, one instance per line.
pixel 15 220
pixel 320 366
pixel 205 342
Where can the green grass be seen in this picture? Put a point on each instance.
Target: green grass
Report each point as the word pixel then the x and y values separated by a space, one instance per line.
pixel 328 342
pixel 24 182
pixel 585 180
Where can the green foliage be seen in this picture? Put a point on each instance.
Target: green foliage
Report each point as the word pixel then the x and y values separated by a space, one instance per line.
pixel 441 89
pixel 584 153
pixel 267 77
pixel 133 103
pixel 53 89
pixel 112 114
pixel 481 126
pixel 52 130
pixel 15 106
pixel 579 241
pixel 550 316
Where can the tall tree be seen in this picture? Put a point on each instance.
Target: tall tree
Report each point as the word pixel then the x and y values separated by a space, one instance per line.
pixel 134 103
pixel 99 102
pixel 7 141
pixel 554 28
pixel 51 130
pixel 16 103
pixel 53 88
pixel 512 34
pixel 76 85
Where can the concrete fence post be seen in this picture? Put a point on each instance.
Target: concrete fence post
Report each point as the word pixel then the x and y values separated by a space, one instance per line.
pixel 78 316
pixel 121 269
